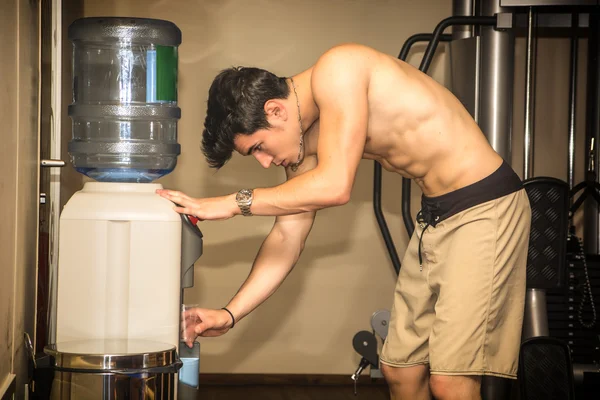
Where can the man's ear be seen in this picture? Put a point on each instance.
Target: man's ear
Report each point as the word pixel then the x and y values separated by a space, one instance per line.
pixel 275 110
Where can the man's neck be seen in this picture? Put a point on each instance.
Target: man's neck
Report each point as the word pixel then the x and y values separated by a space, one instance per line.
pixel 308 108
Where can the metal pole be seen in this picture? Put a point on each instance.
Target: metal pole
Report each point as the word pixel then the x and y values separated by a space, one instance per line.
pixel 573 100
pixel 496 80
pixel 535 322
pixel 530 97
pixel 463 8
pixel 496 60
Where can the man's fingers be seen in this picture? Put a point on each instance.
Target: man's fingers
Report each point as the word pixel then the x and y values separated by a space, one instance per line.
pixel 194 313
pixel 183 210
pixel 184 206
pixel 190 313
pixel 199 323
pixel 173 195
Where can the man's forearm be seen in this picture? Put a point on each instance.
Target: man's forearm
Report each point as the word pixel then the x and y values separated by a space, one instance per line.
pixel 276 258
pixel 310 191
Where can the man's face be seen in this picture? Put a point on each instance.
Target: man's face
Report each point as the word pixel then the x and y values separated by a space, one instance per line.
pixel 276 145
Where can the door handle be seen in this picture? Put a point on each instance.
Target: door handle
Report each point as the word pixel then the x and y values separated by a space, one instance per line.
pixel 52 163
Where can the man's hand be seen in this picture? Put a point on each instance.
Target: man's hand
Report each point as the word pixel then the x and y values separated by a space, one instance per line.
pixel 211 208
pixel 204 322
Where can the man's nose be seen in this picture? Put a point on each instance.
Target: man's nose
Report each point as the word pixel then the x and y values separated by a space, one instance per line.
pixel 264 159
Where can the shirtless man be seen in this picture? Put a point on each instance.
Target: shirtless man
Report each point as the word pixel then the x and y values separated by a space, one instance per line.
pixel 458 304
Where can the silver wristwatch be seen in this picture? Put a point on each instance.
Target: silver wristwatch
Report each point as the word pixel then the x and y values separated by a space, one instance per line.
pixel 244 200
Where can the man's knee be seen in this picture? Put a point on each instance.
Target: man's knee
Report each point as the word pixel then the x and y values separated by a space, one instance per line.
pixel 450 387
pixel 441 386
pixel 407 382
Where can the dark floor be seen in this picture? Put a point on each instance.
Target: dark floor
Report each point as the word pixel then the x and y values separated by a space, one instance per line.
pixel 291 392
pixel 285 387
pixel 318 392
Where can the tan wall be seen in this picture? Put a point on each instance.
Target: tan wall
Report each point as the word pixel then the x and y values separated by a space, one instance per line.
pixel 19 162
pixel 344 274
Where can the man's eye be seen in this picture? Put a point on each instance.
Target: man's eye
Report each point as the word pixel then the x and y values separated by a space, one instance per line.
pixel 257 148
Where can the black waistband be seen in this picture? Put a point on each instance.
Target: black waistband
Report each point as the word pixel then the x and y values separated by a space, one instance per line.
pixel 500 183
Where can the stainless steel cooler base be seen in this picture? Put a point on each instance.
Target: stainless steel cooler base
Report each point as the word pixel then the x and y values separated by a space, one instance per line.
pixel 73 385
pixel 113 369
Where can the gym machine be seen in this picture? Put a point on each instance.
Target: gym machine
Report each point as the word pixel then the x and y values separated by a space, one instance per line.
pixel 482 45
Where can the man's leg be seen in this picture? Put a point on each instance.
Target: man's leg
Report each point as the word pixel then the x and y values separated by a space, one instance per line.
pixel 405 354
pixel 407 383
pixel 480 279
pixel 446 387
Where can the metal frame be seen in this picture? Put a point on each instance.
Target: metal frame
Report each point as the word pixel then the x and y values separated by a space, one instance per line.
pixel 574 55
pixel 55 153
pixel 548 3
pixel 530 74
pixel 558 20
pixel 552 20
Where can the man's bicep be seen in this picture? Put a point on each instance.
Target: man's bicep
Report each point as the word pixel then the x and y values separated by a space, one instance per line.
pixel 340 86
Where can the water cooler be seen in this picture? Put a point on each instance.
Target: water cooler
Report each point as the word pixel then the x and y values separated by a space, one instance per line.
pixel 125 256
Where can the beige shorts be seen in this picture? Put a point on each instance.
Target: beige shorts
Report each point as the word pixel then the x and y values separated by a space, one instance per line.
pixel 463 312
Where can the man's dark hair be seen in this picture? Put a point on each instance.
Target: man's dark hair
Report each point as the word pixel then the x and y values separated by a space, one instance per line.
pixel 236 101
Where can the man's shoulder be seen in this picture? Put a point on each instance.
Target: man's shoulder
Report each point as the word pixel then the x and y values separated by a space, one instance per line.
pixel 342 64
pixel 341 53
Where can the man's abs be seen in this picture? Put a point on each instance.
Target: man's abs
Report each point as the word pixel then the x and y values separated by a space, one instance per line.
pixel 420 130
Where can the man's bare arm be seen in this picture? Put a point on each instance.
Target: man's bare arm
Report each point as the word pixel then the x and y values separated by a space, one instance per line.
pixel 340 82
pixel 277 256
pixel 340 86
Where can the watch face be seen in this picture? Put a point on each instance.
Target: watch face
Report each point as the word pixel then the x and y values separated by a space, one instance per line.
pixel 244 195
